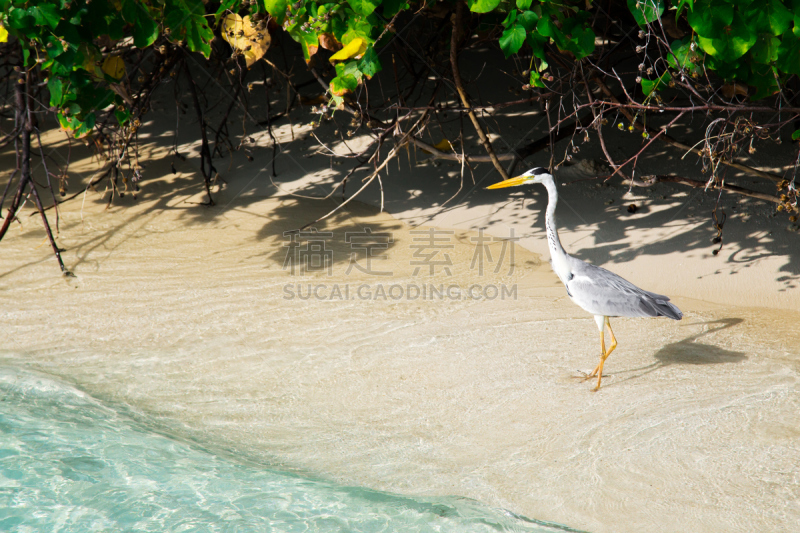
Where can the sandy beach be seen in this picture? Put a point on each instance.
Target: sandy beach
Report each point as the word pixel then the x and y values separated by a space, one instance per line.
pixel 374 376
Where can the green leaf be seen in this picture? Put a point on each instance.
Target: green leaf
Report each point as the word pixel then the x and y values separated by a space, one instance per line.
pixel 349 69
pixel 524 4
pixel 713 47
pixel 129 11
pixel 779 18
pixel 581 42
pixel 710 18
pixel 341 85
pixel 763 79
pixel 18 19
pixel 740 38
pixel 370 64
pixel 536 80
pixel 646 11
pixel 123 115
pixel 45 14
pixel 733 42
pixel 309 42
pixel 510 18
pixel 796 135
pixel 528 20
pixel 766 49
pixel 277 8
pixel 512 40
pixel 145 31
pixel 186 20
pixel 796 17
pixel 228 5
pixel 393 7
pixel 86 125
pixel 482 6
pixel 63 64
pixel 363 7
pixel 648 86
pixel 336 101
pixel 789 55
pixel 682 56
pixel 339 28
pixel 546 27
pixel 536 42
pixel 681 5
pixel 56 88
pixel 77 16
pixel 357 27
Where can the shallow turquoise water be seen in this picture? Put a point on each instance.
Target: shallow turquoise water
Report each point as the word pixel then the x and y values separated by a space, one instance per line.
pixel 68 463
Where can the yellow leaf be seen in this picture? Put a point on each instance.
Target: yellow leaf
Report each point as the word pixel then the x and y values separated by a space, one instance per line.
pixel 443 146
pixel 3 34
pixel 91 60
pixel 114 66
pixel 245 38
pixel 354 48
pixel 233 30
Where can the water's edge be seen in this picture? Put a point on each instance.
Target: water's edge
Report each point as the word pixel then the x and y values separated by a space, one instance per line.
pixel 68 459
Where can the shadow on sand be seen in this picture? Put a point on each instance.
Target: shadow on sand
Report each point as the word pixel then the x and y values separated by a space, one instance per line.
pixel 690 352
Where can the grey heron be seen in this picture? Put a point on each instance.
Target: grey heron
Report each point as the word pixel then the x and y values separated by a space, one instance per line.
pixel 596 290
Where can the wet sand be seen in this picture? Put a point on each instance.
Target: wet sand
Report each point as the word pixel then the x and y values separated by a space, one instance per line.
pixel 182 311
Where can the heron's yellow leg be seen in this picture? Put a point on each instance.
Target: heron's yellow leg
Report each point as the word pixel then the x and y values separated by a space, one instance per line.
pixel 602 353
pixel 599 370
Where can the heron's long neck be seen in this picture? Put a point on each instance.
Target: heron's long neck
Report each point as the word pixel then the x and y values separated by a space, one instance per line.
pixel 557 253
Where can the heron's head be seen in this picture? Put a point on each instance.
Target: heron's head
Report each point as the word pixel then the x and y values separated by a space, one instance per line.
pixel 534 175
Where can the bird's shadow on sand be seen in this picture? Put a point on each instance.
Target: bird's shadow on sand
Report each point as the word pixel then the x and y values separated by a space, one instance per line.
pixel 690 352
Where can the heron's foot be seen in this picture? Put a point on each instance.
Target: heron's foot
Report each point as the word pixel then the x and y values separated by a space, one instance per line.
pixel 595 371
pixel 586 376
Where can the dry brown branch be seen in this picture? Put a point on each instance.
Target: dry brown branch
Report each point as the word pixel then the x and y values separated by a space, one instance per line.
pixel 438 154
pixel 460 5
pixel 206 164
pixel 649 181
pixel 598 125
pixel 669 140
pixel 394 151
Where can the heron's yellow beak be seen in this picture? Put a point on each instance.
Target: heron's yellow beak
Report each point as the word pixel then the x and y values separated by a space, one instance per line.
pixel 512 182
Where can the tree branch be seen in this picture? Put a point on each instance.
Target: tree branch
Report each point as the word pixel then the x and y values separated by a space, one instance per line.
pixel 463 94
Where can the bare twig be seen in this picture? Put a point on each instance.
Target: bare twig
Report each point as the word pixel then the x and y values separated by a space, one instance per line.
pixel 206 166
pixel 398 145
pixel 669 140
pixel 649 181
pixel 438 154
pixel 26 126
pixel 460 5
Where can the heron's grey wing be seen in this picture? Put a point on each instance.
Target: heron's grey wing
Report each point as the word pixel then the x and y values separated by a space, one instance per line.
pixel 601 292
